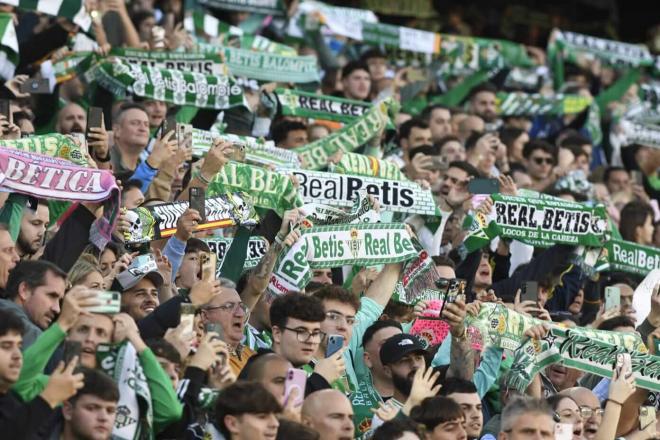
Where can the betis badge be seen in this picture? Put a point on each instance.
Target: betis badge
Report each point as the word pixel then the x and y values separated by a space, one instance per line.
pixel 354 243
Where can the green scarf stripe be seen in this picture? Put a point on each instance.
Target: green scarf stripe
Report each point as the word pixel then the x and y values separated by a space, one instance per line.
pixel 458 93
pixel 399 37
pixel 204 63
pixel 523 104
pixel 271 67
pixel 363 165
pixel 616 91
pixel 315 106
pixel 266 7
pixel 74 10
pixel 54 145
pixel 631 257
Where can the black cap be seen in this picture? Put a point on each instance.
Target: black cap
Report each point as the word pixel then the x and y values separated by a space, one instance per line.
pixel 399 346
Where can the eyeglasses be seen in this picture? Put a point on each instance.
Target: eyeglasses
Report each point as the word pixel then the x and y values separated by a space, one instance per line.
pixel 304 335
pixel 230 307
pixel 336 316
pixel 542 160
pixel 587 412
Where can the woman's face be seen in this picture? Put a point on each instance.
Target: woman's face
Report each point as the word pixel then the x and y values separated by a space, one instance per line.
pixel 576 305
pixel 569 412
pixel 645 236
pixel 93 280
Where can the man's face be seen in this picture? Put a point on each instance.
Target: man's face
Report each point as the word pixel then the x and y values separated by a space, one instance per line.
pixel 377 68
pixel 253 426
pixel 586 398
pixel 334 420
pixel 90 417
pixel 11 359
pixel 339 319
pixel 484 276
pixel 33 229
pixel 107 261
pixel 440 123
pixel 72 119
pixel 8 257
pixel 156 111
pixel 483 105
pixel 451 430
pixel 627 308
pixel 454 186
pixel 140 300
pixel 372 348
pixel 530 427
pixel 171 369
pixel 133 129
pixel 515 152
pixel 42 303
pixel 403 371
pixel 539 164
pixel 482 156
pixel 227 310
pixel 357 85
pixel 295 351
pixel 618 181
pixel 522 179
pixel 323 276
pixel 471 406
pixel 274 376
pixel 452 151
pixel 132 198
pixel 561 377
pixel 189 270
pixel 294 139
pixel 416 138
pixel 90 331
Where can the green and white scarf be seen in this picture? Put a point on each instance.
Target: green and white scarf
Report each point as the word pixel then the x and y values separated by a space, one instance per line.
pixel 121 362
pixel 631 257
pixel 54 145
pixel 405 8
pixel 74 10
pixel 205 64
pixel 640 133
pixel 8 47
pixel 257 248
pixel 266 7
pixel 523 104
pixel 334 246
pixel 267 189
pixel 315 106
pixel 363 165
pixel 399 37
pixel 538 222
pixel 271 67
pixel 314 156
pixel 317 214
pixel 172 86
pixel 72 65
pixel 339 20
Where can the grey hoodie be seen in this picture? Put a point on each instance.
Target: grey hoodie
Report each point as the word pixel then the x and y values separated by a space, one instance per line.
pixel 31 332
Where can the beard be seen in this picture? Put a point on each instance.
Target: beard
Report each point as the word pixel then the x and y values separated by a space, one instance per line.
pixel 403 384
pixel 28 247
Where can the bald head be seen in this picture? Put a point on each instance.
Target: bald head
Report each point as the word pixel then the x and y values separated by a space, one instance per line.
pixel 71 119
pixel 330 413
pixel 584 397
pixel 469 124
pixel 270 370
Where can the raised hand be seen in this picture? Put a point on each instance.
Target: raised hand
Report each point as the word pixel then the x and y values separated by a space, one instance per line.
pixel 164 149
pixel 454 313
pixel 63 383
pixel 74 304
pixel 333 367
pixel 423 386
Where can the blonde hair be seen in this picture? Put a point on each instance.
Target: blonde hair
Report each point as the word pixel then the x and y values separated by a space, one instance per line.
pixel 85 265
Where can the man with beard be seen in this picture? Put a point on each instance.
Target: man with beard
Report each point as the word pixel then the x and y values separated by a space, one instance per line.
pixel 401 356
pixel 465 394
pixel 71 119
pixel 33 229
pixel 483 103
pixel 8 255
pixel 439 119
pixel 139 285
pixel 415 134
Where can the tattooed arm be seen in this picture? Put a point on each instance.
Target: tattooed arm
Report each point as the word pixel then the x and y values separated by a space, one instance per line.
pixel 461 357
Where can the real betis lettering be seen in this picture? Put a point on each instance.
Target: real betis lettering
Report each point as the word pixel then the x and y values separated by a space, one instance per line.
pixel 334 247
pixel 207 64
pixel 310 105
pixel 632 257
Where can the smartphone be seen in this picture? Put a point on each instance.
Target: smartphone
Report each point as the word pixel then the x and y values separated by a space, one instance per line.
pixel 208 262
pixel 612 298
pixel 455 290
pixel 197 201
pixel 5 109
pixel 484 186
pixel 646 416
pixel 623 364
pixel 94 119
pixel 563 431
pixel 111 303
pixel 335 343
pixel 71 350
pixel 637 177
pixel 188 317
pixel 655 346
pixel 295 379
pixel 169 124
pixel 214 327
pixel 36 86
pixel 530 291
pixel 184 136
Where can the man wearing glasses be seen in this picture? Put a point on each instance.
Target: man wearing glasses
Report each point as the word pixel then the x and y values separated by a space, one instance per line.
pixel 590 409
pixel 540 157
pixel 227 309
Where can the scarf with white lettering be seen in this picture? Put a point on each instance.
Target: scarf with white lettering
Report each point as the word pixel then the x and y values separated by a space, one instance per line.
pixel 54 145
pixel 538 222
pixel 193 62
pixel 159 221
pixel 168 85
pixel 314 156
pixel 72 65
pixel 523 104
pixel 267 189
pixel 640 133
pixel 338 20
pixel 317 214
pixel 315 106
pixel 630 257
pixel 335 246
pixel 363 165
pixel 271 67
pixel 257 248
pixel 265 7
pixel 134 418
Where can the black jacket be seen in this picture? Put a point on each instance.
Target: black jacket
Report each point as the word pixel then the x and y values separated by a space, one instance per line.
pixel 20 420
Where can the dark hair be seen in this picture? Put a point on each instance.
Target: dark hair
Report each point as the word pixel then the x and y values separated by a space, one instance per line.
pixel 483 87
pixel 395 308
pixel 617 321
pixel 10 322
pixel 609 170
pixel 32 273
pixel 298 306
pixel 372 53
pixel 98 384
pixel 126 107
pixel 443 140
pixel 243 397
pixel 436 410
pixel 352 66
pixel 160 347
pixel 441 260
pixel 508 135
pixel 428 111
pixel 279 131
pixel 539 144
pixel 130 184
pixel 394 429
pixel 376 326
pixel 406 127
pixel 554 400
pixel 516 167
pixel 453 385
pixel 473 138
pixel 139 16
pixel 633 215
pixel 337 293
pixel 465 166
pixel 294 430
pixel 574 141
pixel 195 245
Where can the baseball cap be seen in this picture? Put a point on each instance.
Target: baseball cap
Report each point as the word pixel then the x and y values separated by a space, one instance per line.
pixel 142 266
pixel 399 346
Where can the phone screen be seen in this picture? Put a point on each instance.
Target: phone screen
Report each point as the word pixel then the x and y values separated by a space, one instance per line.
pixel 71 349
pixel 4 108
pixel 335 343
pixel 94 117
pixel 35 86
pixel 612 298
pixel 197 201
pixel 530 291
pixel 484 186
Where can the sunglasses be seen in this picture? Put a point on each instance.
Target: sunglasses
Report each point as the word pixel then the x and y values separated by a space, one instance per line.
pixel 542 160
